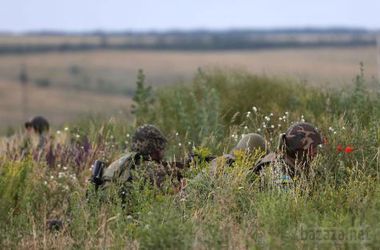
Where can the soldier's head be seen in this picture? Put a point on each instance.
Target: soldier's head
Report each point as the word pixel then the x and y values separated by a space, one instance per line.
pixel 300 142
pixel 37 124
pixel 149 142
pixel 250 143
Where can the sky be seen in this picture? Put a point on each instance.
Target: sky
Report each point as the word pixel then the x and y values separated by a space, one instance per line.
pixel 161 15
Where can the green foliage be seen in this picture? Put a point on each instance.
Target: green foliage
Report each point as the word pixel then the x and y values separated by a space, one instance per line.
pixel 143 99
pixel 225 210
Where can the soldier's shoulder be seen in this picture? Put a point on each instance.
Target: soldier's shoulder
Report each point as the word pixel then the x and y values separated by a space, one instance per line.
pixel 266 160
pixel 116 165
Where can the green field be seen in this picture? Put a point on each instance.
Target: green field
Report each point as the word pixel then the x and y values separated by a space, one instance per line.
pixel 89 79
pixel 336 206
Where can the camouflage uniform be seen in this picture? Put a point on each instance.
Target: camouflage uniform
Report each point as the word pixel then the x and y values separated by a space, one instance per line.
pixel 144 160
pixel 250 143
pixel 146 142
pixel 40 126
pixel 297 148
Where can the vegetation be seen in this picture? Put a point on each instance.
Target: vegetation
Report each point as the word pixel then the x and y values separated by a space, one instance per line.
pixel 188 40
pixel 338 207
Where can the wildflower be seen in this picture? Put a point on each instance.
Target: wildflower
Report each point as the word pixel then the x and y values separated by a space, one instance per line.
pixel 66 129
pixel 245 127
pixel 176 134
pixel 279 125
pixel 58 132
pixel 189 143
pixel 65 168
pixel 272 126
pixel 348 149
pixel 129 217
pixel 179 144
pixel 331 129
pixel 259 130
pixel 128 135
pixel 339 148
pixel 267 118
pixel 51 177
pixel 254 109
pixel 286 113
pixel 61 175
pixel 264 126
pixel 240 188
pixel 334 132
pixel 77 135
pixel 280 118
pixel 248 114
pixel 45 183
pixel 343 128
pixel 271 114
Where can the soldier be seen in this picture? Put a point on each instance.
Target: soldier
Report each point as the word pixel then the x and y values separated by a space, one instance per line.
pixel 40 127
pixel 145 160
pixel 249 144
pixel 297 148
pixel 35 141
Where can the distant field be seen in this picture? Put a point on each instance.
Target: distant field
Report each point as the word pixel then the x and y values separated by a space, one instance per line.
pixel 103 81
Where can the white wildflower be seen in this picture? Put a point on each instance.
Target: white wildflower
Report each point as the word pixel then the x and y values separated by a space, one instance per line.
pixel 254 109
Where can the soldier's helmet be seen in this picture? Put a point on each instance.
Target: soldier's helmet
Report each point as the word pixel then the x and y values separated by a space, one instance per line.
pixel 251 142
pixel 147 140
pixel 301 141
pixel 39 124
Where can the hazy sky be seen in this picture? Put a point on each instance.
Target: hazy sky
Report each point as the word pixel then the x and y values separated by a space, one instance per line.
pixel 85 15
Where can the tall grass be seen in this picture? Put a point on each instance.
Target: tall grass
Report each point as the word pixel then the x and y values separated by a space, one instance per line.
pixel 229 210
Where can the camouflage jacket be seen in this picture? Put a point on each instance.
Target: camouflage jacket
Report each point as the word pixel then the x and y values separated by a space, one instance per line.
pixel 220 162
pixel 275 171
pixel 131 166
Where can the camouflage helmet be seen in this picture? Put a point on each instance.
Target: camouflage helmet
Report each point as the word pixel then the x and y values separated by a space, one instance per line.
pixel 38 123
pixel 301 139
pixel 251 142
pixel 147 140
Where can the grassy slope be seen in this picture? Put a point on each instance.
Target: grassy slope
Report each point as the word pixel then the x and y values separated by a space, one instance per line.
pixel 341 196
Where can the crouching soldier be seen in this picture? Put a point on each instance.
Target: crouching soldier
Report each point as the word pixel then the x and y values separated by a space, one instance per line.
pixel 297 149
pixel 143 162
pixel 251 144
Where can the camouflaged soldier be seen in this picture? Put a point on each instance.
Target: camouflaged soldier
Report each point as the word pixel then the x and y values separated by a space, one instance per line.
pixel 144 160
pixel 35 141
pixel 296 149
pixel 249 144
